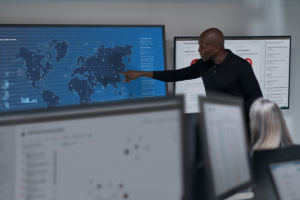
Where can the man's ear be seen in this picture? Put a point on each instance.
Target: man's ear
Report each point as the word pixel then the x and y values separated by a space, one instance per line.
pixel 217 48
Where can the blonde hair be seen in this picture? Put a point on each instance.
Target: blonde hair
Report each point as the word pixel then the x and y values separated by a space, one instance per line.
pixel 267 125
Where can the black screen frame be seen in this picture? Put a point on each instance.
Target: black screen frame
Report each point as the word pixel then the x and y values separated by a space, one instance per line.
pixel 222 100
pixel 242 38
pixel 162 26
pixel 264 188
pixel 272 177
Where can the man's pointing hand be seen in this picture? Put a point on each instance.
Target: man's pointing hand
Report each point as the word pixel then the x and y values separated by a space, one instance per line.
pixel 131 75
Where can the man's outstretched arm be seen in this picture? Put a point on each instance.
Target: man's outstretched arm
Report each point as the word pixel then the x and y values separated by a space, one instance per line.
pixel 187 73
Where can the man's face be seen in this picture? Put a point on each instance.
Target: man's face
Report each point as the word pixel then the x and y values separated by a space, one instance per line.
pixel 206 51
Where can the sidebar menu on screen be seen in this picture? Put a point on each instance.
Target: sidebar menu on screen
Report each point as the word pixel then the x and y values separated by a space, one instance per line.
pixel 277 71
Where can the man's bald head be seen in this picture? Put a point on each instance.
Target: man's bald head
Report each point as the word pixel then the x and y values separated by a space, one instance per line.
pixel 213 37
pixel 211 45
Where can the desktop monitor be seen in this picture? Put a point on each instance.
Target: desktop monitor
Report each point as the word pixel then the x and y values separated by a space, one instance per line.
pixel 47 66
pixel 269 56
pixel 224 146
pixel 136 150
pixel 262 161
pixel 286 179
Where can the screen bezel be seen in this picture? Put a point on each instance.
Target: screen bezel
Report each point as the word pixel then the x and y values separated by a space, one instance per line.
pixel 261 158
pixel 223 100
pixel 242 38
pixel 109 109
pixel 272 177
pixel 97 26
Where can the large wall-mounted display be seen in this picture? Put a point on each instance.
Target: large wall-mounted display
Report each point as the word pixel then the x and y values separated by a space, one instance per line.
pixel 269 56
pixel 46 66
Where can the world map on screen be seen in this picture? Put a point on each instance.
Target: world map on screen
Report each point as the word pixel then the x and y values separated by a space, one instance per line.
pixel 47 67
pixel 101 67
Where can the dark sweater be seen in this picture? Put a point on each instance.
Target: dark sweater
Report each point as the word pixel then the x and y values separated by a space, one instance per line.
pixel 234 76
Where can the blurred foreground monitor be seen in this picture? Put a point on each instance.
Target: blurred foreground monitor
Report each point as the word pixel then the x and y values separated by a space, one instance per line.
pixel 135 150
pixel 276 173
pixel 224 146
pixel 286 179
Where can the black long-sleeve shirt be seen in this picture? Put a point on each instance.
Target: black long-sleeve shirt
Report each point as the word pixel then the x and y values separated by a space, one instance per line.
pixel 234 76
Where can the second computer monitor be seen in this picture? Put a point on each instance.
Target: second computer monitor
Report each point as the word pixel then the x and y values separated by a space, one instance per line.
pixel 272 164
pixel 225 149
pixel 269 57
pixel 286 178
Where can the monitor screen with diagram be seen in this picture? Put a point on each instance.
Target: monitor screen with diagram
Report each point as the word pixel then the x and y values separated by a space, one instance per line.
pixel 269 56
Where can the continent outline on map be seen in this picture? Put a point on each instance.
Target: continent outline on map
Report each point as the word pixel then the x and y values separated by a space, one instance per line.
pixel 35 71
pixel 100 67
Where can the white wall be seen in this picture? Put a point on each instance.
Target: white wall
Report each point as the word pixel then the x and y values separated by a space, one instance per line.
pixel 182 18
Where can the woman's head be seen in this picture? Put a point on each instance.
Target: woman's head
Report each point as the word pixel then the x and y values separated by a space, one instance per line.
pixel 267 125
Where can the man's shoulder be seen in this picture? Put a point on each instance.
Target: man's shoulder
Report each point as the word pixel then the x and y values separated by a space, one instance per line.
pixel 239 60
pixel 200 63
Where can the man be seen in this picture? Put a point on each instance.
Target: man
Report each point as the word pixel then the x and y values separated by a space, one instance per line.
pixel 221 71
